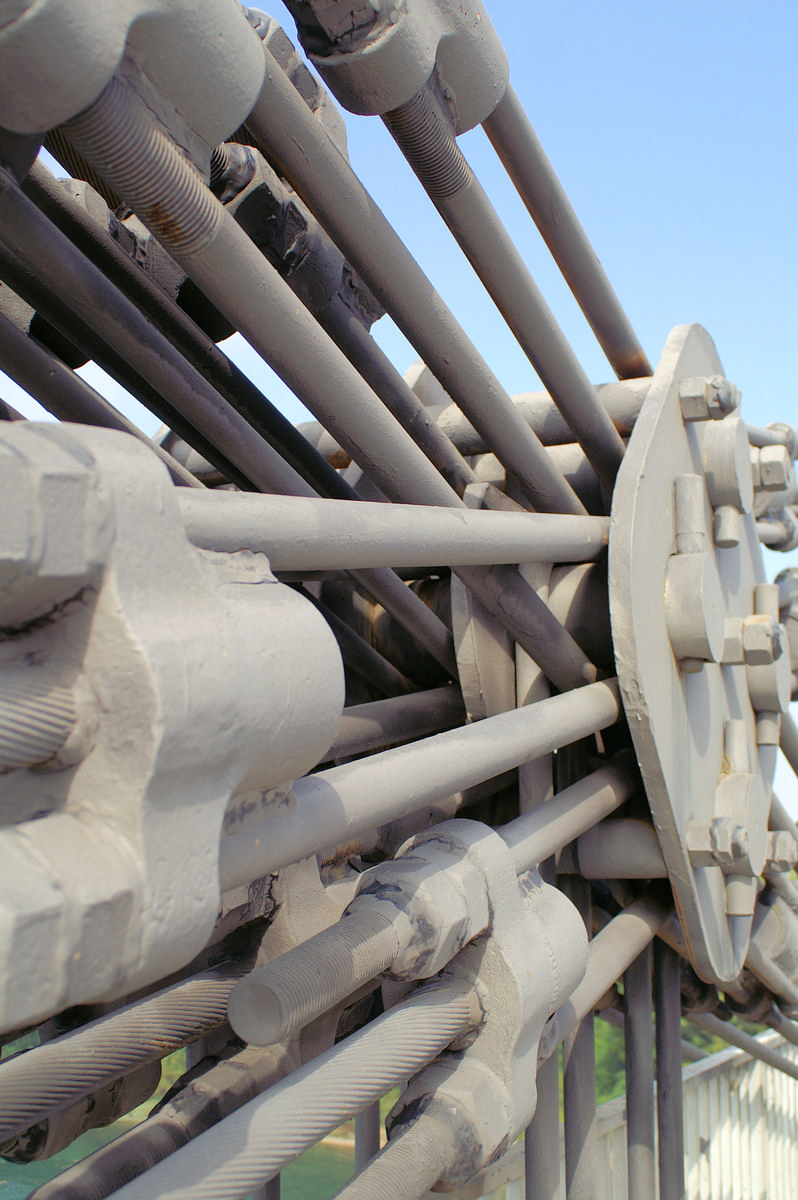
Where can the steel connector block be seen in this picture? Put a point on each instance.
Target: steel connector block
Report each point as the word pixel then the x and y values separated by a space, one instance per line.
pixel 109 858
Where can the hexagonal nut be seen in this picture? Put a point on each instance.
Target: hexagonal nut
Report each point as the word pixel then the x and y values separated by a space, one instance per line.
pixel 707 398
pixel 65 515
pixel 720 842
pixel 31 927
pixel 729 843
pixel 782 851
pixel 17 517
pixel 761 640
pixel 467 1094
pixel 775 468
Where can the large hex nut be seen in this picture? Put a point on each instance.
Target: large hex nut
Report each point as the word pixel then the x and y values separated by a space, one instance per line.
pixel 775 468
pixel 707 398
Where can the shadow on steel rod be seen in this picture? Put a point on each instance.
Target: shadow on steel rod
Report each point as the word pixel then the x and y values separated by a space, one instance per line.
pixel 68 397
pixel 118 134
pixel 261 1138
pixel 425 137
pixel 286 131
pixel 513 138
pixel 110 329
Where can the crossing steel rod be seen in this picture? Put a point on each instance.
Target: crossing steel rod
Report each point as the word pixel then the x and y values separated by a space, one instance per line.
pixel 744 1041
pixel 59 281
pixel 410 1164
pixel 290 991
pixel 119 136
pixel 425 137
pixel 611 951
pixel 670 1047
pixel 622 399
pixel 400 719
pixel 48 1077
pixel 639 1065
pixel 303 534
pixel 341 804
pixel 513 138
pixel 258 1140
pixel 54 200
pixel 289 135
pixel 114 332
pixel 66 396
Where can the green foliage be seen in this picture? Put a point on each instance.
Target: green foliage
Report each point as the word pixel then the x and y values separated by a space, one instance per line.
pixel 610 1078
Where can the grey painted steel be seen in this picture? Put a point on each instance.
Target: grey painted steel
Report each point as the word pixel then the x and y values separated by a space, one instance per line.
pixel 299 534
pixel 788 740
pixel 276 999
pixel 287 133
pixel 744 1041
pixel 400 719
pixel 254 1143
pixel 611 952
pixel 121 138
pixel 425 137
pixel 361 658
pixel 774 979
pixel 37 716
pixel 48 1077
pixel 423 625
pixel 199 1104
pixel 542 1137
pixel 237 390
pixel 622 400
pixel 399 398
pixel 670 1049
pixel 682 699
pixel 124 142
pixel 410 1164
pixel 295 988
pixel 342 803
pixel 66 396
pixel 96 316
pixel 368 1125
pixel 535 836
pixel 579 1080
pixel 208 359
pixel 639 1063
pixel 517 145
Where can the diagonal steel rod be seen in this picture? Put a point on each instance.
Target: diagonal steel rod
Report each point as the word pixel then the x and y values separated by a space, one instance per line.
pixel 425 137
pixel 511 134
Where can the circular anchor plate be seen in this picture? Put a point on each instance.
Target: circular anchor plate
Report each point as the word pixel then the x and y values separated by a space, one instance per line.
pixel 677 716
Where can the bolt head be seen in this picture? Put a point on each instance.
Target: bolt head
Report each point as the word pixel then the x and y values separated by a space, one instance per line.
pixel 729 843
pixel 707 398
pixel 761 639
pixel 782 851
pixel 775 468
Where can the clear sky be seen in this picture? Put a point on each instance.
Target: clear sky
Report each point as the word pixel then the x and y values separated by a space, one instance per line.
pixel 673 128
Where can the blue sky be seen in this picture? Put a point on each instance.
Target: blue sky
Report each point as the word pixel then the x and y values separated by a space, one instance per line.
pixel 673 127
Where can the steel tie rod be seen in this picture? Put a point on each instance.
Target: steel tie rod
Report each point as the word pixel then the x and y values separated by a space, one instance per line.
pixel 286 131
pixel 343 803
pixel 45 1079
pixel 68 397
pixel 302 534
pixel 120 137
pixel 251 1145
pixel 112 330
pixel 287 993
pixel 425 137
pixel 513 138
